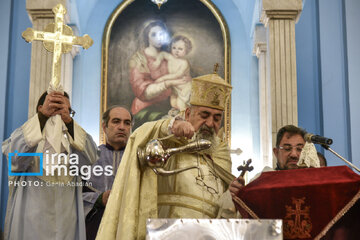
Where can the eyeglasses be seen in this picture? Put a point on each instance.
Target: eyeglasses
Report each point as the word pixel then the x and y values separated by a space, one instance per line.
pixel 289 148
pixel 72 113
pixel 200 182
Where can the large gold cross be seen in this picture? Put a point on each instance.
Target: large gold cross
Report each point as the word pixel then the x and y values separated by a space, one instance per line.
pixel 57 38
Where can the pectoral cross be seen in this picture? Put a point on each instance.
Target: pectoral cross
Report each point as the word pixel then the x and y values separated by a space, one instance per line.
pixel 57 38
pixel 245 167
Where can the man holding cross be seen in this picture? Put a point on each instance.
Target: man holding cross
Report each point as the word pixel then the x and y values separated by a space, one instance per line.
pixel 47 206
pixel 289 145
pixel 49 154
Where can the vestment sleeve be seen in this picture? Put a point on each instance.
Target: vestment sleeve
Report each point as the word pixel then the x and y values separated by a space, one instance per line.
pixel 226 207
pixel 83 145
pixel 89 201
pixel 24 140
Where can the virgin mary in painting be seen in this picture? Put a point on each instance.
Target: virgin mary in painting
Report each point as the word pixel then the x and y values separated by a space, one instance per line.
pixel 137 35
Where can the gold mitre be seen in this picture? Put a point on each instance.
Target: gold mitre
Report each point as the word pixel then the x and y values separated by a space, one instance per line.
pixel 210 91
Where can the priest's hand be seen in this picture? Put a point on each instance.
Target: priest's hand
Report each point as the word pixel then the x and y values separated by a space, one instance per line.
pixel 47 109
pixel 236 185
pixel 183 128
pixel 62 106
pixel 105 197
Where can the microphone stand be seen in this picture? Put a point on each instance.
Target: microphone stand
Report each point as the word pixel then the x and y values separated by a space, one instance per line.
pixel 327 147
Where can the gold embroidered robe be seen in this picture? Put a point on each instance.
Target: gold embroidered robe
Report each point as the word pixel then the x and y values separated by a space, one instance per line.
pixel 138 193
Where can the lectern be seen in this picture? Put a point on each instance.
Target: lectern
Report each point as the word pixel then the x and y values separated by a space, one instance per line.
pixel 314 203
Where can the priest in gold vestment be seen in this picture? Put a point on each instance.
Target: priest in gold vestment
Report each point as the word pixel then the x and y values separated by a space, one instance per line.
pixel 201 192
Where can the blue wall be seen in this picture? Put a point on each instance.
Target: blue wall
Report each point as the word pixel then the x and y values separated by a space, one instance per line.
pixel 334 76
pixel 327 38
pixel 352 8
pixel 14 77
pixel 308 70
pixel 5 10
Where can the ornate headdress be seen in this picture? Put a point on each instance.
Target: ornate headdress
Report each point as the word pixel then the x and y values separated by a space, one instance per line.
pixel 210 91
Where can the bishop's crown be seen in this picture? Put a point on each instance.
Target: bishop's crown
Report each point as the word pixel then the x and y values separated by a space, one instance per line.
pixel 210 91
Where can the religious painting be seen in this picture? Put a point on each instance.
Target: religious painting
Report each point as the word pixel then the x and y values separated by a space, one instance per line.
pixel 150 55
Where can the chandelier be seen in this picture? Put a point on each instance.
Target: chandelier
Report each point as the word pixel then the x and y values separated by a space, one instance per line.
pixel 159 2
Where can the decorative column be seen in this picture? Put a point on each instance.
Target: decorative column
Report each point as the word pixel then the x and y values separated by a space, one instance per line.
pixel 40 13
pixel 280 16
pixel 260 50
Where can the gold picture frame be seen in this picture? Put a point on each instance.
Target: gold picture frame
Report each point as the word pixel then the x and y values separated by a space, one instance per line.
pixel 129 12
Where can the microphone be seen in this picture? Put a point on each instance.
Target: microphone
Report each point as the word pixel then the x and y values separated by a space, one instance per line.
pixel 317 139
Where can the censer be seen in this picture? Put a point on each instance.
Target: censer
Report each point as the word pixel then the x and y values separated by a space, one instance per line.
pixel 156 156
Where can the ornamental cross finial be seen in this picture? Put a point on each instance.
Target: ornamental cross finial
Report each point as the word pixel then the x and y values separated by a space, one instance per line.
pixel 216 67
pixel 159 2
pixel 245 167
pixel 57 38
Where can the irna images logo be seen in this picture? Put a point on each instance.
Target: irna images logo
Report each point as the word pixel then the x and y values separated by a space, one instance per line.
pixel 16 153
pixel 59 164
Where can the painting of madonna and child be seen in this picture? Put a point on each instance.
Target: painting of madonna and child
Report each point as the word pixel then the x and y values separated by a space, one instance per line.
pixel 153 54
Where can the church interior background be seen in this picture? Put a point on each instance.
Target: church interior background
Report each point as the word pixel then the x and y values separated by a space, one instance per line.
pixel 313 83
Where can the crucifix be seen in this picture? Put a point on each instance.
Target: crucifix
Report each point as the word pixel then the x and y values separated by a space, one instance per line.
pixel 245 167
pixel 57 38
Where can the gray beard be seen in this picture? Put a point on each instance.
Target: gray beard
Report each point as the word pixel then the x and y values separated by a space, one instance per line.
pixel 214 139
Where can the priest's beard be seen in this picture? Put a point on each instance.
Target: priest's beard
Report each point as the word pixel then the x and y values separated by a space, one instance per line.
pixel 207 133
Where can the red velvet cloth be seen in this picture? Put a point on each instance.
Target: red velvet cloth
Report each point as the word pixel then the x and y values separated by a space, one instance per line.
pixel 310 201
